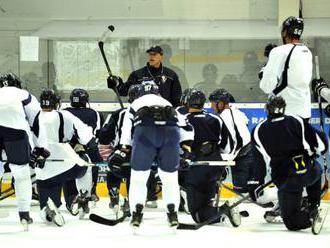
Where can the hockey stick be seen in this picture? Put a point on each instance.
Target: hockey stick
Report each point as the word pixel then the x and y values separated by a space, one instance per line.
pixel 266 205
pixel 47 160
pixel 326 181
pixel 243 213
pixel 108 222
pixel 101 47
pixel 212 163
pixel 183 226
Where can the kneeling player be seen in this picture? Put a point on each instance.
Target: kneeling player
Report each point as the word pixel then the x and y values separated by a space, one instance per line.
pixel 211 138
pixel 289 145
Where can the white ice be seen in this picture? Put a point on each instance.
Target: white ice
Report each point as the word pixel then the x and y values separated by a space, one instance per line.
pixel 154 232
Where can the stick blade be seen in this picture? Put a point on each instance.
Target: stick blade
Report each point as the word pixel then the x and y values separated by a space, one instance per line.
pixel 108 222
pixel 184 226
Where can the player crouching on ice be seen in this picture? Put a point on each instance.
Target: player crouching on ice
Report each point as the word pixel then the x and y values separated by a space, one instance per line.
pixel 289 145
pixel 212 138
pixel 64 164
pixel 158 131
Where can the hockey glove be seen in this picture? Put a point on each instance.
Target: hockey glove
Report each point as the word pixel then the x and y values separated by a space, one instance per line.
pixel 117 158
pixel 114 81
pixel 38 157
pixel 318 85
pixel 79 148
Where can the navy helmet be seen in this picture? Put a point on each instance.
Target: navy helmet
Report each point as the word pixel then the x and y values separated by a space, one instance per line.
pixel 10 79
pixel 221 95
pixel 275 107
pixel 79 98
pixel 133 92
pixel 148 87
pixel 49 99
pixel 196 99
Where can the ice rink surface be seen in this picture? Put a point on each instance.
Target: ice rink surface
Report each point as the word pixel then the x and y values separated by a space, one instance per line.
pixel 154 232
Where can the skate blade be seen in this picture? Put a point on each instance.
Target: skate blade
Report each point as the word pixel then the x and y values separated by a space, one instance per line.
pixel 25 225
pixel 59 220
pixel 318 224
pixel 136 230
pixel 81 214
pixel 174 228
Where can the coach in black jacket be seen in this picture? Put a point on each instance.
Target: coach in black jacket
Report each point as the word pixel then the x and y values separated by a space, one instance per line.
pixel 166 79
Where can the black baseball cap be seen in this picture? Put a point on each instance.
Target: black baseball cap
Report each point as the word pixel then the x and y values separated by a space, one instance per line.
pixel 155 49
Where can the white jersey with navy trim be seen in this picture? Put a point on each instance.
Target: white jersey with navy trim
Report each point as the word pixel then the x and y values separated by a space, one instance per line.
pixel 296 91
pixel 232 117
pixel 20 110
pixel 56 137
pixel 149 100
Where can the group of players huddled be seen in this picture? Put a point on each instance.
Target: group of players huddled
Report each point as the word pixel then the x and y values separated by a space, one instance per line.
pixel 174 138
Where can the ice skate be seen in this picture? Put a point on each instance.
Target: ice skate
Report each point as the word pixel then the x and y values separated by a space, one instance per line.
pixel 25 220
pixel 172 216
pixel 137 217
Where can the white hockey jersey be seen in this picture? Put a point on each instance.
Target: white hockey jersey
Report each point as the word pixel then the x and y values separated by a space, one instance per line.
pixel 235 116
pixel 61 126
pixel 20 110
pixel 186 130
pixel 295 90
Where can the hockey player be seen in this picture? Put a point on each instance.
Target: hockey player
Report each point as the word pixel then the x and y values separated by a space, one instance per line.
pixel 236 122
pixel 156 136
pixel 289 70
pixel 79 99
pixel 110 134
pixel 61 127
pixel 19 122
pixel 289 145
pixel 212 139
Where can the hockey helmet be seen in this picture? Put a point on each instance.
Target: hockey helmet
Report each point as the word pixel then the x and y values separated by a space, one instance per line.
pixel 294 26
pixel 49 99
pixel 196 99
pixel 79 98
pixel 275 107
pixel 10 79
pixel 148 87
pixel 221 95
pixel 133 92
